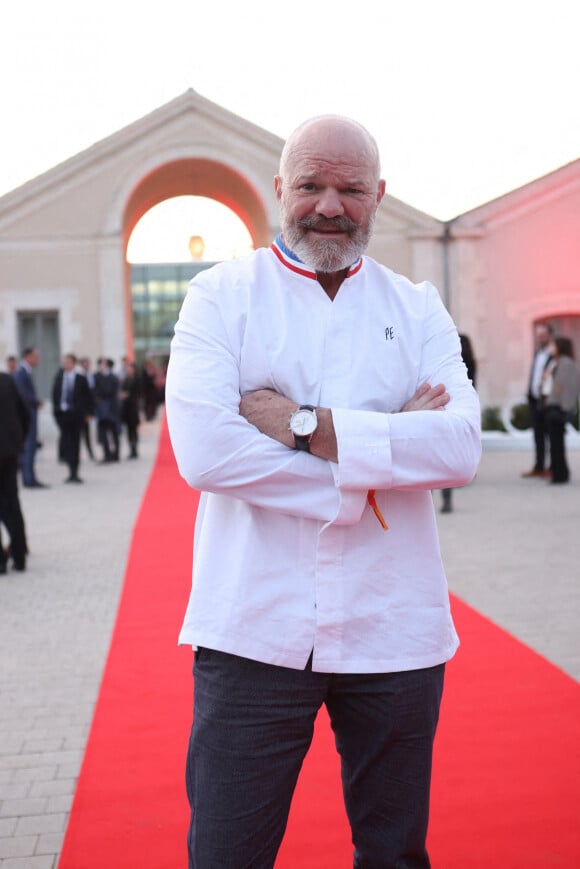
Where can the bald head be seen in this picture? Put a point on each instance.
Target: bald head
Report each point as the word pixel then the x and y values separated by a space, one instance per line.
pixel 329 189
pixel 329 135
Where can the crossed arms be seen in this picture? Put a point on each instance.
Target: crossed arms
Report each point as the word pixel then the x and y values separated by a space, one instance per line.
pixel 269 412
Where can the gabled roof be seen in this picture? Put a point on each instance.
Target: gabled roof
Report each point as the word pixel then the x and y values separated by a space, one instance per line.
pixel 528 197
pixel 188 102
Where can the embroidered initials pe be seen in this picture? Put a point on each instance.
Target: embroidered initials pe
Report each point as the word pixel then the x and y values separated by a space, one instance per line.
pixel 389 333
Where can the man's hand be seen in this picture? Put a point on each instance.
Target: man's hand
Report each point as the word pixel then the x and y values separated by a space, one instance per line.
pixel 270 413
pixel 428 398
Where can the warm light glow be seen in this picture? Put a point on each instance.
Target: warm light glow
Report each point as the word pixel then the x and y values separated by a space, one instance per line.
pixel 161 236
pixel 196 247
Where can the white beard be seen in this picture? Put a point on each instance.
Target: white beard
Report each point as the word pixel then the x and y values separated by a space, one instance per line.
pixel 327 254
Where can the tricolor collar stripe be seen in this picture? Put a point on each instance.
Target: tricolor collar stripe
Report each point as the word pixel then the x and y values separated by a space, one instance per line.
pixel 293 266
pixel 291 261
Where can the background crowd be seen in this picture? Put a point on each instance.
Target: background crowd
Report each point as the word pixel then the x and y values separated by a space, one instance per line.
pixel 100 409
pixel 553 393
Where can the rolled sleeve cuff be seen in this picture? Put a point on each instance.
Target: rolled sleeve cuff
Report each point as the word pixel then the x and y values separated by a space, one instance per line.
pixel 364 450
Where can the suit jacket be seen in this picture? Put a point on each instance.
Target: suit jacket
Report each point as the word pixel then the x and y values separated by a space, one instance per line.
pixel 531 396
pixel 26 387
pixel 14 417
pixel 81 397
pixel 131 387
pixel 91 384
pixel 107 405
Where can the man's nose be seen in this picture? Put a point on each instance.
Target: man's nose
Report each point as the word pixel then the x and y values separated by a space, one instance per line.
pixel 329 203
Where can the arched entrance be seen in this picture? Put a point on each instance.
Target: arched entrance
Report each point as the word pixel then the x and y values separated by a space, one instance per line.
pixel 172 242
pixel 193 177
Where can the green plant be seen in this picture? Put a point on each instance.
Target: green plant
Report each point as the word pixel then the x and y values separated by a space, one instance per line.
pixel 491 419
pixel 520 417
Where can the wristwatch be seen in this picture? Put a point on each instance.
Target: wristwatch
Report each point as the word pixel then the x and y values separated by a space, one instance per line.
pixel 303 424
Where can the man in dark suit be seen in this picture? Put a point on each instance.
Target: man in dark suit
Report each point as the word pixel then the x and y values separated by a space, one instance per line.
pixel 542 356
pixel 85 369
pixel 107 409
pixel 71 403
pixel 25 383
pixel 15 418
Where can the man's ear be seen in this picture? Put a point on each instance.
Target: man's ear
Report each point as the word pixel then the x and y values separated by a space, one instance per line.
pixel 381 191
pixel 278 186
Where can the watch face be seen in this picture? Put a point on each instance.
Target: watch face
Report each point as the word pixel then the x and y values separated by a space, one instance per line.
pixel 303 422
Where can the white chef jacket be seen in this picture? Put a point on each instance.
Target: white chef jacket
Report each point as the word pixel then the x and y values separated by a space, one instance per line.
pixel 289 557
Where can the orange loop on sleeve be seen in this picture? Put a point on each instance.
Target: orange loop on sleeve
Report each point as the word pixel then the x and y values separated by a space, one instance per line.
pixel 375 508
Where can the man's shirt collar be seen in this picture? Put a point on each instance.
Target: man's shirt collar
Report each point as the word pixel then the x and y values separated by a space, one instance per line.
pixel 292 262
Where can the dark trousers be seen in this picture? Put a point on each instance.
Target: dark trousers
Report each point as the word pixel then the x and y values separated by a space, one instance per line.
pixel 86 437
pixel 538 421
pixel 108 433
pixel 253 724
pixel 556 423
pixel 70 426
pixel 133 438
pixel 446 500
pixel 29 450
pixel 10 511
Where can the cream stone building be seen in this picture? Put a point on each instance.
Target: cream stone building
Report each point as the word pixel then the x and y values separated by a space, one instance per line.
pixel 65 284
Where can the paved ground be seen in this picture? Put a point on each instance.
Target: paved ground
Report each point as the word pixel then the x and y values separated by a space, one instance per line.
pixel 512 549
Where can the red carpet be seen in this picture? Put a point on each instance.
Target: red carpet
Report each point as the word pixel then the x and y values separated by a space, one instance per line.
pixel 507 762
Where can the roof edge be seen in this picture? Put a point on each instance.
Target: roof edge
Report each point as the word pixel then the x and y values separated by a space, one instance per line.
pixel 127 134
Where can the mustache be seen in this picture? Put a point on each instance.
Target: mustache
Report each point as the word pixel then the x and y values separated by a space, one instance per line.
pixel 341 223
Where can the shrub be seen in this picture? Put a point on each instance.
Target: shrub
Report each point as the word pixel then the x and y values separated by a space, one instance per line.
pixel 520 417
pixel 491 419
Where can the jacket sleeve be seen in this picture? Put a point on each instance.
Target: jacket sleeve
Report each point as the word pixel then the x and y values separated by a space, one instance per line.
pixel 219 451
pixel 417 449
pixel 22 380
pixel 56 391
pixel 84 403
pixel 23 412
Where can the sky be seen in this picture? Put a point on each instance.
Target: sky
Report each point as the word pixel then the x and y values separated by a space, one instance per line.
pixel 467 100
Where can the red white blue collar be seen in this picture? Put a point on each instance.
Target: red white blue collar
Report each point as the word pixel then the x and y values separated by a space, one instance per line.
pixel 291 261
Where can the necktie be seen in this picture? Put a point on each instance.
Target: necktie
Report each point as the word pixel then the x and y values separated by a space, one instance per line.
pixel 68 391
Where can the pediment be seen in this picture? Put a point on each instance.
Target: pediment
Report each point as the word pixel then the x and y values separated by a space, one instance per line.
pixel 189 126
pixel 534 196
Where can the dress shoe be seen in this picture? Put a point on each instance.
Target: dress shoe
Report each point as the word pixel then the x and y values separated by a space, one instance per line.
pixel 535 473
pixel 36 484
pixel 74 479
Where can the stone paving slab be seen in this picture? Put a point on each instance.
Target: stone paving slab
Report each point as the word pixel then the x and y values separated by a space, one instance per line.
pixel 511 548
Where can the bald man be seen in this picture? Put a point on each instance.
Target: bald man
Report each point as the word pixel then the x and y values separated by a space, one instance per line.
pixel 316 398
